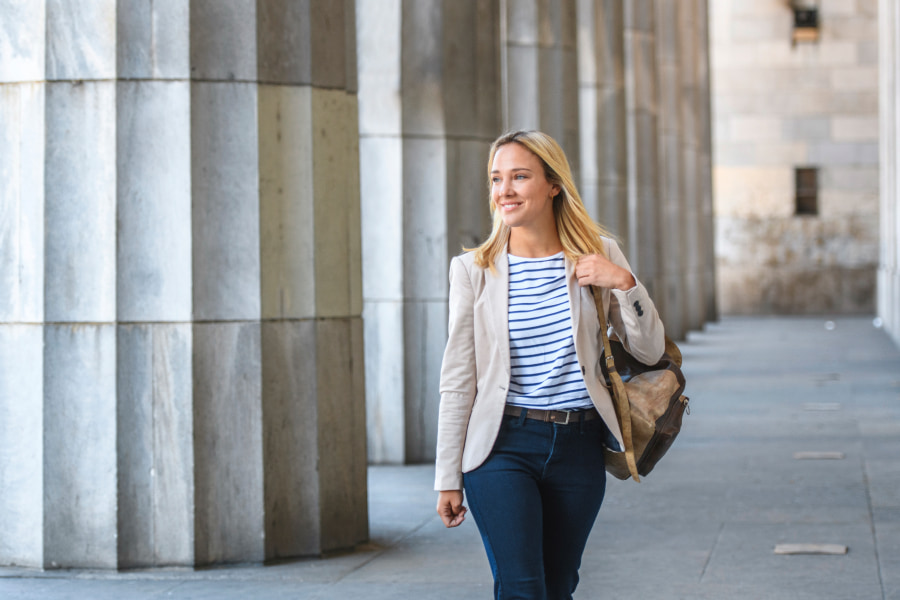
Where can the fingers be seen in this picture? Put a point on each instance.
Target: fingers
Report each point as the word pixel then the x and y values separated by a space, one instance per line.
pixel 594 269
pixel 450 508
pixel 452 517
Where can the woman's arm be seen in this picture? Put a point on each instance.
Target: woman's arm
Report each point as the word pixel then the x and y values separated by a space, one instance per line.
pixel 458 378
pixel 631 313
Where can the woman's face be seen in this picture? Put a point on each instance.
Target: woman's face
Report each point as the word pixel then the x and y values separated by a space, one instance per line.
pixel 519 189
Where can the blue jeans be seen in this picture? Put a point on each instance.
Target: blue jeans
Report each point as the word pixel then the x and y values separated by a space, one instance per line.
pixel 535 500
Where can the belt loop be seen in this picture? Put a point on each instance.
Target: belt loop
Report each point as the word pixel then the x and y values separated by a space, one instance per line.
pixel 522 416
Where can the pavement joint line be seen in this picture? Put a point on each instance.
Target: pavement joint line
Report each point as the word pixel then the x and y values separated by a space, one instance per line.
pixel 383 549
pixel 711 552
pixel 813 455
pixel 807 548
pixel 867 488
pixel 821 406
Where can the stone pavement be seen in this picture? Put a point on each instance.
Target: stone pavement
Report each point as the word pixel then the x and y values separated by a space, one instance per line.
pixel 702 526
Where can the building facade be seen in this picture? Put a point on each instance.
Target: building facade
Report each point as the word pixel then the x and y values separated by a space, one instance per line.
pixel 796 154
pixel 889 258
pixel 225 228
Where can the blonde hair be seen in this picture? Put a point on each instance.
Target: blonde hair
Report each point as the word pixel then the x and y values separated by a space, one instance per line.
pixel 578 233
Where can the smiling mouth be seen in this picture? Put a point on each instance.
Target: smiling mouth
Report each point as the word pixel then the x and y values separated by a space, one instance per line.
pixel 508 206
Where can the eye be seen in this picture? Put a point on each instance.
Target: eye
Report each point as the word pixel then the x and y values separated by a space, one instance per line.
pixel 495 180
pixel 520 176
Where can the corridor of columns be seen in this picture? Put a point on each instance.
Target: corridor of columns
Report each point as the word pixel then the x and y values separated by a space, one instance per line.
pixel 225 234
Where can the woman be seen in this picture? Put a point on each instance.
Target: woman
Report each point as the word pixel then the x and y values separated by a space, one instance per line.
pixel 524 416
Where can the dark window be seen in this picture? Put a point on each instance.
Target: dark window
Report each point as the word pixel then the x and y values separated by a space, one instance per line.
pixel 806 25
pixel 806 185
pixel 806 18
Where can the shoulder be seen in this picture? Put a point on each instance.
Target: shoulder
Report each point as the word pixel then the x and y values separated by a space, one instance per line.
pixel 613 252
pixel 465 260
pixel 463 265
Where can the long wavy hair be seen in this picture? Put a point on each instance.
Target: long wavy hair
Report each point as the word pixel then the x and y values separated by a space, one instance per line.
pixel 578 233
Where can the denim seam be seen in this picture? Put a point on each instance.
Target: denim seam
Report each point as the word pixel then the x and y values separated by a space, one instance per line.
pixel 495 568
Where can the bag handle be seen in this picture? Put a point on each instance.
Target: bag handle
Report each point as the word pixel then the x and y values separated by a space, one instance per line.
pixel 623 407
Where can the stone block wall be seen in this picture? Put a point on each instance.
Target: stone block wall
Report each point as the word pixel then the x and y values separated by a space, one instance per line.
pixel 780 106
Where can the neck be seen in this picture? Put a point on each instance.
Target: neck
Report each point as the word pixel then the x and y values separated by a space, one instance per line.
pixel 531 244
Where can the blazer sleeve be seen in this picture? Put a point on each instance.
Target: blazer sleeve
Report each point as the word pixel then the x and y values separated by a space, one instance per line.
pixel 458 380
pixel 633 317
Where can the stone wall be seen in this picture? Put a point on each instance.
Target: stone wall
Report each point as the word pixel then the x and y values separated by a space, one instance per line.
pixel 889 267
pixel 779 106
pixel 181 377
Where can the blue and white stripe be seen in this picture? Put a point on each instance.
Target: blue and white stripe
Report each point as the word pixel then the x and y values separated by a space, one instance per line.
pixel 545 369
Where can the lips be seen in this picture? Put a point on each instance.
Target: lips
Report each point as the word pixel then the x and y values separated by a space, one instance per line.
pixel 508 206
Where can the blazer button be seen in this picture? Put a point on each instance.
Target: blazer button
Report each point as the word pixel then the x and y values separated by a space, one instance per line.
pixel 638 309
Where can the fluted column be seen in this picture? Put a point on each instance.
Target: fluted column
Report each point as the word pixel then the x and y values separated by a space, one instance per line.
pixel 643 242
pixel 702 270
pixel 540 70
pixel 428 111
pixel 181 379
pixel 601 77
pixel 676 165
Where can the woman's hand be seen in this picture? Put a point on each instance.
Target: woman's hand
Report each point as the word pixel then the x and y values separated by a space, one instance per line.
pixel 450 507
pixel 596 269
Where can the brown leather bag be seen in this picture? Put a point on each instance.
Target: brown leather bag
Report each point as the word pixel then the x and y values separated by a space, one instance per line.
pixel 648 400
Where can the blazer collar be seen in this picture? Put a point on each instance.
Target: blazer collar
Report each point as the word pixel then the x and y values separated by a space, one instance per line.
pixel 497 288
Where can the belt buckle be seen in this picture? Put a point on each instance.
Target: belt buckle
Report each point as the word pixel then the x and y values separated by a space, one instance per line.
pixel 568 417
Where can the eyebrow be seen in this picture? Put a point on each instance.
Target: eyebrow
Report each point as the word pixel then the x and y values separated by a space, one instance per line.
pixel 513 169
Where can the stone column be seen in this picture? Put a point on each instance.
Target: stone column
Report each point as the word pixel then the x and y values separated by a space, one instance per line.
pixel 540 70
pixel 642 241
pixel 181 378
pixel 677 157
pixel 601 75
pixel 22 146
pixel 428 112
pixel 889 88
pixel 704 255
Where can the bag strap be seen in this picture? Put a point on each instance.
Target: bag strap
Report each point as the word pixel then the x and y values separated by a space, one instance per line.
pixel 623 407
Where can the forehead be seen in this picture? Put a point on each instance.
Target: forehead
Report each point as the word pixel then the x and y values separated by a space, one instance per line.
pixel 515 156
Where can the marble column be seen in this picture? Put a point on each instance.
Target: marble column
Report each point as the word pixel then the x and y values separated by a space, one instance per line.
pixel 22 145
pixel 643 244
pixel 703 254
pixel 677 155
pixel 889 87
pixel 428 73
pixel 181 366
pixel 540 70
pixel 601 77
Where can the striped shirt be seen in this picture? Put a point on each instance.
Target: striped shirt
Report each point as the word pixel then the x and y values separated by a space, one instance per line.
pixel 545 369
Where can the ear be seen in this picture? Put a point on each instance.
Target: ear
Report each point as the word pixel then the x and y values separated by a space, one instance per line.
pixel 555 190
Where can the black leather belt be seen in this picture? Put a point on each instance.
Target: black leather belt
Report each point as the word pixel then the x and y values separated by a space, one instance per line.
pixel 560 417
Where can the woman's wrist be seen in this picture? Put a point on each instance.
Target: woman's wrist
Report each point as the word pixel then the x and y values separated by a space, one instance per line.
pixel 628 281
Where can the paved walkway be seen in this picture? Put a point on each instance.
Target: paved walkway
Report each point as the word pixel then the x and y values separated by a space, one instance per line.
pixel 702 526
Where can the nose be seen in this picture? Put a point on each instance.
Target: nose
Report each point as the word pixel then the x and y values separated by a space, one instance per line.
pixel 503 187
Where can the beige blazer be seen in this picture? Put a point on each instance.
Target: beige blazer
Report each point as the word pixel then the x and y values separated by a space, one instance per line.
pixel 475 373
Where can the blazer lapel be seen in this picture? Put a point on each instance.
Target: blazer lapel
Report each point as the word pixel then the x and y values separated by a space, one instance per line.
pixel 497 288
pixel 574 298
